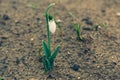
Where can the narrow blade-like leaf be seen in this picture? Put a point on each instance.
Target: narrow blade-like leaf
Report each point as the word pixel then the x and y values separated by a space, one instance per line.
pixel 54 54
pixel 46 49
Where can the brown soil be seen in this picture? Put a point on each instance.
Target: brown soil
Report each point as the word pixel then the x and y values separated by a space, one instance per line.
pixel 22 29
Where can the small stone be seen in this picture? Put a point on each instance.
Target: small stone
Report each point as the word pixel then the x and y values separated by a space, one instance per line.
pixel 106 62
pixel 78 78
pixel 114 63
pixel 17 22
pixel 86 51
pixel 60 79
pixel 103 11
pixel 112 57
pixel 32 39
pixel 69 52
pixel 109 66
pixel 3 37
pixel 17 61
pixel 38 19
pixel 113 77
pixel 15 78
pixel 33 79
pixel 93 62
pixel 79 54
pixel 87 21
pixel 5 17
pixel 118 14
pixel 50 76
pixel 98 66
pixel 99 27
pixel 75 67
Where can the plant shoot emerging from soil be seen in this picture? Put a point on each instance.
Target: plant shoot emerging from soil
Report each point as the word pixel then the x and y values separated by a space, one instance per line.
pixel 78 32
pixel 48 56
pixel 76 26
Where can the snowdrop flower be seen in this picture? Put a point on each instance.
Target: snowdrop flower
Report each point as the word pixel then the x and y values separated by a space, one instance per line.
pixel 52 26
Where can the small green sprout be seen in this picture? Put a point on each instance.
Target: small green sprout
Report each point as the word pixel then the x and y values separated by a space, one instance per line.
pixel 77 29
pixel 76 26
pixel 48 57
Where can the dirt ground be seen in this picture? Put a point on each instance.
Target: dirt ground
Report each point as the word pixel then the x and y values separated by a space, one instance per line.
pixel 22 29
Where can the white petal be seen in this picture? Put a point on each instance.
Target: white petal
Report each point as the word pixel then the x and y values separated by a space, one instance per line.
pixel 52 26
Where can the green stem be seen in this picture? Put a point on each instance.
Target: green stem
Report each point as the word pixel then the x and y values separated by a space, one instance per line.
pixel 48 32
pixel 47 25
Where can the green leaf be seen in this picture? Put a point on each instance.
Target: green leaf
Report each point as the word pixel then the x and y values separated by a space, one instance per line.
pixel 54 54
pixel 77 29
pixel 46 63
pixel 46 50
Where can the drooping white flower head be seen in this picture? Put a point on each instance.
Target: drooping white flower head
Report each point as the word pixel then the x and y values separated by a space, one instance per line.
pixel 52 26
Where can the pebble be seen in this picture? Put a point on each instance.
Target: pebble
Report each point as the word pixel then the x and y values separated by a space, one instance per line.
pixel 17 61
pixel 93 62
pixel 5 17
pixel 69 52
pixel 3 37
pixel 118 14
pixel 114 77
pixel 106 62
pixel 78 78
pixel 98 66
pixel 113 63
pixel 103 11
pixel 38 19
pixel 33 79
pixel 75 67
pixel 50 77
pixel 15 78
pixel 32 39
pixel 87 21
pixel 109 66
